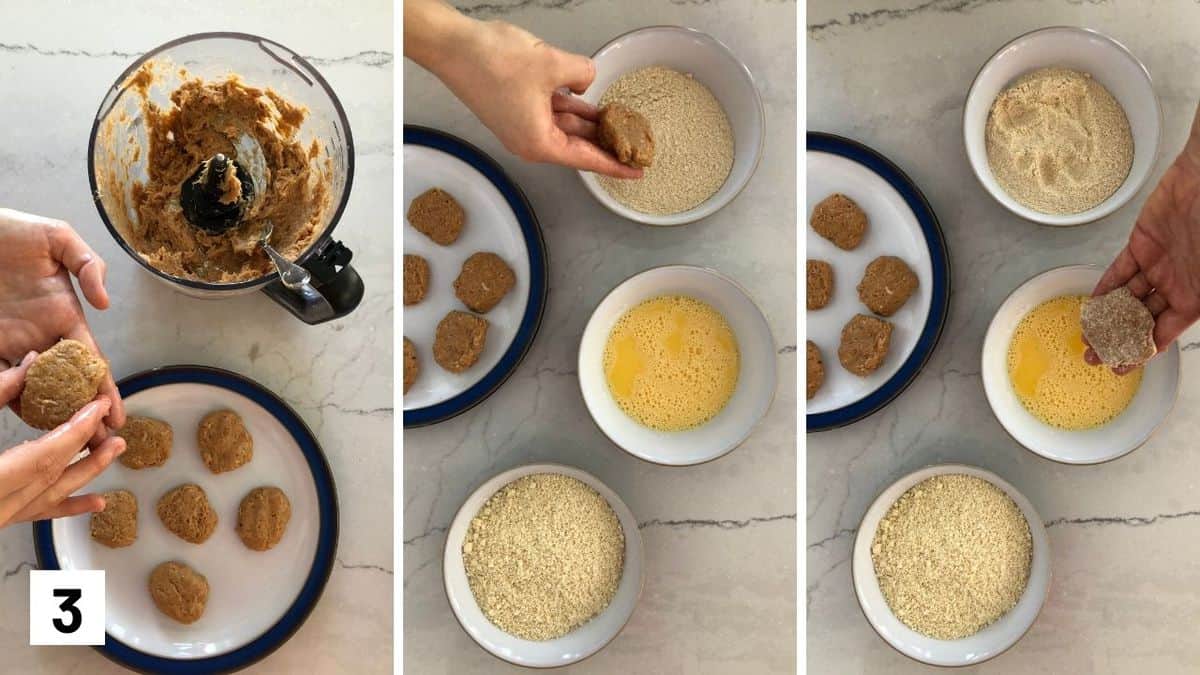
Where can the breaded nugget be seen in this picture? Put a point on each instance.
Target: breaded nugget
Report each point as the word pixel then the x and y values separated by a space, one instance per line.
pixel 840 220
pixel 865 342
pixel 819 283
pixel 627 134
pixel 61 380
pixel 484 280
pixel 412 367
pixel 1119 328
pixel 459 340
pixel 886 285
pixel 116 525
pixel 186 512
pixel 147 442
pixel 816 369
pixel 179 591
pixel 436 214
pixel 416 278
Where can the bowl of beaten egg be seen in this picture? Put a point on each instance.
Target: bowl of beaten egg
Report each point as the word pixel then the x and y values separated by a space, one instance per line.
pixel 1047 397
pixel 677 365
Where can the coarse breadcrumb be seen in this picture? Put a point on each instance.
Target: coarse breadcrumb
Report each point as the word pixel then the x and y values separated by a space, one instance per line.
pixel 952 556
pixel 544 555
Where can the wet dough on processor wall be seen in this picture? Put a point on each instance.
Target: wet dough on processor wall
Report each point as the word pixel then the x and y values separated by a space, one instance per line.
pixel 205 118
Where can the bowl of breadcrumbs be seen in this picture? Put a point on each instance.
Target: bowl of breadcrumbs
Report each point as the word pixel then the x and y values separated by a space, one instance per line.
pixel 951 565
pixel 1062 126
pixel 543 565
pixel 700 124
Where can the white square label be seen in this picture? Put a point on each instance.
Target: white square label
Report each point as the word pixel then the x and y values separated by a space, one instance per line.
pixel 66 607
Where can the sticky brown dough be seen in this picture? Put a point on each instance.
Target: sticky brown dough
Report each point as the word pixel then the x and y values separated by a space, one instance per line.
pixel 209 117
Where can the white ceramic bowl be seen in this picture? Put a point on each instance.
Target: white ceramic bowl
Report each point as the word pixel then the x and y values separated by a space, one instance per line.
pixel 756 379
pixel 714 66
pixel 574 646
pixel 1111 64
pixel 973 649
pixel 1132 428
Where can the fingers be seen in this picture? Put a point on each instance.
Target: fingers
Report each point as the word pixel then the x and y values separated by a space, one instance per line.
pixel 108 388
pixel 573 125
pixel 1155 303
pixel 573 71
pixel 1118 273
pixel 582 154
pixel 1139 286
pixel 72 506
pixel 12 380
pixel 68 247
pixel 1168 326
pixel 565 103
pixel 29 469
pixel 73 479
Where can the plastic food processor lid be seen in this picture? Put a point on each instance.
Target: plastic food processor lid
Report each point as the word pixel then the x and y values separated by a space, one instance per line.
pixel 289 59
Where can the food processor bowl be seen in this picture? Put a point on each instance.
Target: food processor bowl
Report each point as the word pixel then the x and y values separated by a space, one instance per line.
pixel 118 155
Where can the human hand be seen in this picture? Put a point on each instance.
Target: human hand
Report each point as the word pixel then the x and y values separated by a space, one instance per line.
pixel 38 305
pixel 1161 262
pixel 515 83
pixel 37 477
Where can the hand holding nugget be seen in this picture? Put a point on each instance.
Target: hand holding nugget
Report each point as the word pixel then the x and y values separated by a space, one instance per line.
pixel 37 477
pixel 513 83
pixel 1161 262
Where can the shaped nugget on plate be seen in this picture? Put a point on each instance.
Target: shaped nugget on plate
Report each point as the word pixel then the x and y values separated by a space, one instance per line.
pixel 865 343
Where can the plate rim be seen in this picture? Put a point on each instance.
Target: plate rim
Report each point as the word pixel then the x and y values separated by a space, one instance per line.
pixel 539 273
pixel 327 540
pixel 939 306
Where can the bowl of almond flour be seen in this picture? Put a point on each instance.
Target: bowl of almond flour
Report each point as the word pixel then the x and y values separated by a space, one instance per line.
pixel 705 115
pixel 951 565
pixel 1062 126
pixel 543 565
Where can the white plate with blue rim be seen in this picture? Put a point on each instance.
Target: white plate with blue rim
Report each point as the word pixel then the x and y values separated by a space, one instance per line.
pixel 499 219
pixel 901 224
pixel 257 600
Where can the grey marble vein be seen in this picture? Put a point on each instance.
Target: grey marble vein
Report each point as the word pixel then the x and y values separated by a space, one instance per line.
pixel 371 58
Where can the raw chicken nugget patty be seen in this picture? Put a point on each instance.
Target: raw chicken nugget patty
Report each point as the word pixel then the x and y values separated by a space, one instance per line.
pixel 186 512
pixel 225 444
pixel 816 369
pixel 627 134
pixel 1119 328
pixel 412 367
pixel 436 214
pixel 886 285
pixel 459 340
pixel 262 518
pixel 147 442
pixel 865 342
pixel 416 278
pixel 61 380
pixel 840 220
pixel 179 591
pixel 818 283
pixel 484 281
pixel 116 525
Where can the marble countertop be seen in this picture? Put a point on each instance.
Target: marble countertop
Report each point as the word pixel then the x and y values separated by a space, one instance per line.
pixel 1125 535
pixel 720 537
pixel 55 64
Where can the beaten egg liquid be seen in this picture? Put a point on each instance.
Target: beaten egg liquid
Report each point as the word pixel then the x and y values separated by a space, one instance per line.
pixel 1050 377
pixel 671 363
